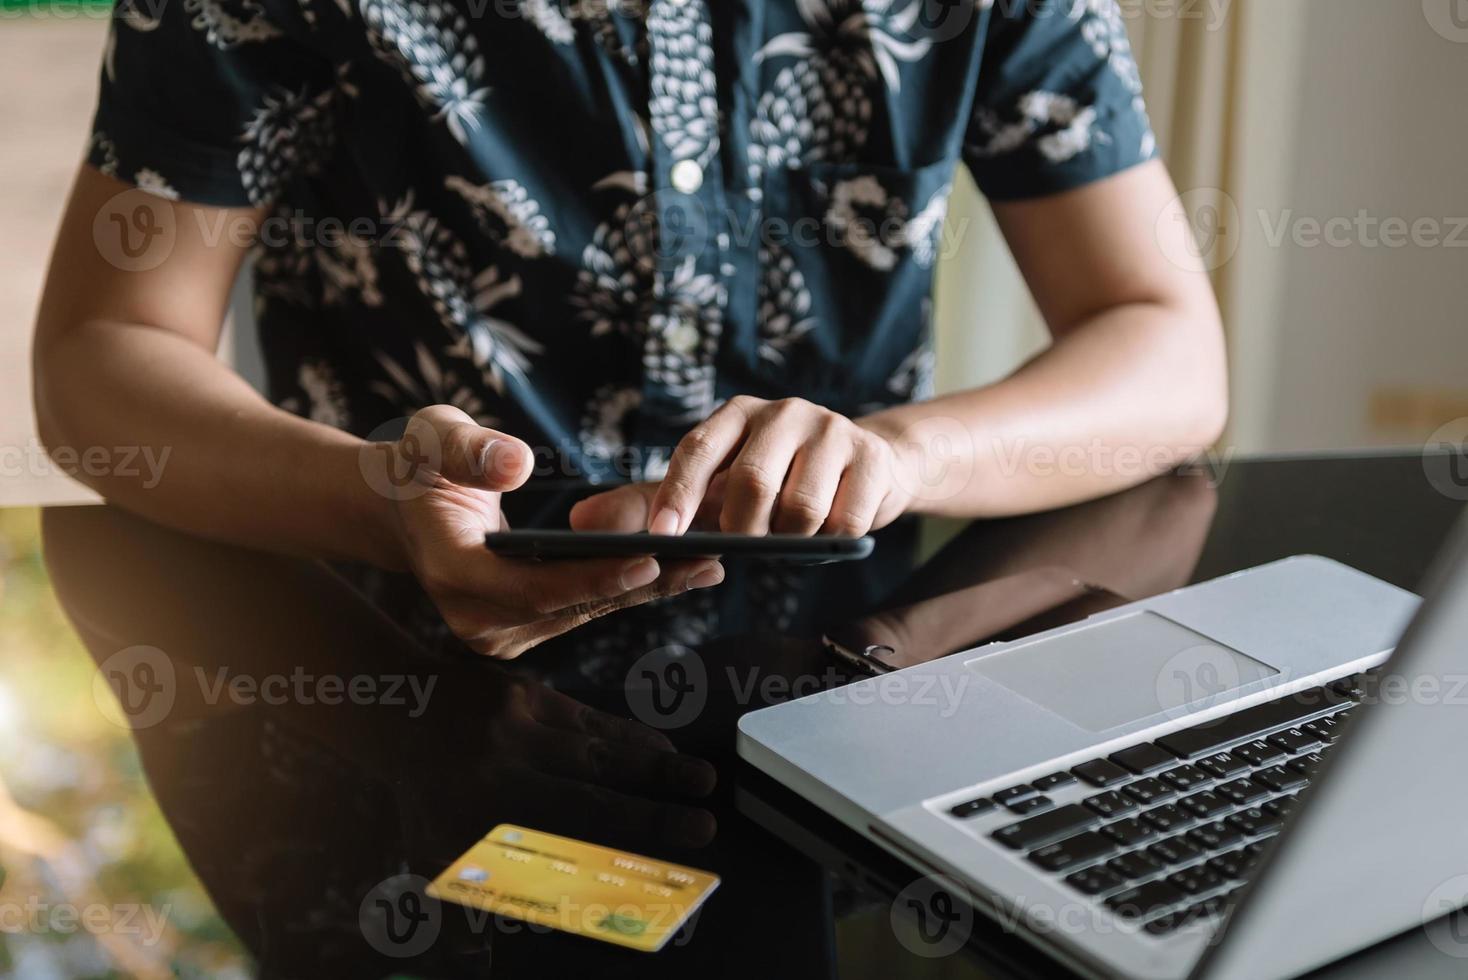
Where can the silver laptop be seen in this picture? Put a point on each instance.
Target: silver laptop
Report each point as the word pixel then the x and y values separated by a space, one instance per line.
pixel 1130 792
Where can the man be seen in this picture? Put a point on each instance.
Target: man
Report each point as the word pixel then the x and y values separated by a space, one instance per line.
pixel 688 244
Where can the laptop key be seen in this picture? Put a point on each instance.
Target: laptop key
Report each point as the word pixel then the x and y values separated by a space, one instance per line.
pixel 1101 772
pixel 1294 740
pixel 1186 777
pixel 1145 900
pixel 1174 850
pixel 1196 880
pixel 1029 804
pixel 1254 821
pixel 1325 729
pixel 1280 807
pixel 1241 791
pixel 1234 864
pixel 1306 764
pixel 1166 817
pixel 1223 765
pixel 1280 779
pixel 1200 740
pixel 1206 804
pixel 972 808
pixel 1045 828
pixel 1094 881
pixel 1142 759
pixel 1149 790
pixel 1110 804
pixel 1007 796
pixel 1129 832
pixel 1136 864
pixel 1046 783
pixel 1215 836
pixel 1259 753
pixel 1066 854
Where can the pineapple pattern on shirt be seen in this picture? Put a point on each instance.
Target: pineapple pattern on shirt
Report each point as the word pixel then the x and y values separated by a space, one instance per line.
pixel 481 198
pixel 819 106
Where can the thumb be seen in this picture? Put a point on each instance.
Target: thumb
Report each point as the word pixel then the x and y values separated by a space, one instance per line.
pixel 465 452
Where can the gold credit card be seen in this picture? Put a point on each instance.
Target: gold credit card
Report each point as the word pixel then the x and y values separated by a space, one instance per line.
pixel 617 897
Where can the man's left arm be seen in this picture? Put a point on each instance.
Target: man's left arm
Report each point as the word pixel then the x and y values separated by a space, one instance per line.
pixel 1135 383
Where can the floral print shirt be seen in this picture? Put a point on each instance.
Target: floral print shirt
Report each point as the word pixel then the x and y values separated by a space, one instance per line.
pixel 587 222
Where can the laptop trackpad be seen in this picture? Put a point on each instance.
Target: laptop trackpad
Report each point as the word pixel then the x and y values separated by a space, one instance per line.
pixel 1121 671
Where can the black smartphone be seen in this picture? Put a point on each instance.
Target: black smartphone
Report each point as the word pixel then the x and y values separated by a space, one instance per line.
pixel 792 548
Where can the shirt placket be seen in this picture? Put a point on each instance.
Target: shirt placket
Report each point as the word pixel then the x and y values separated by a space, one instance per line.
pixel 690 293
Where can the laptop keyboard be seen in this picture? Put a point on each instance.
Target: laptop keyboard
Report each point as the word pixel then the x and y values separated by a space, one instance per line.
pixel 1174 825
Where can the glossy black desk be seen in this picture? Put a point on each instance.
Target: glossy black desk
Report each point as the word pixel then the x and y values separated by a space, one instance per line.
pixel 308 823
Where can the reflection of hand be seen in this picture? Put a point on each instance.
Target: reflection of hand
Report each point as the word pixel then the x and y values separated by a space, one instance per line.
pixel 757 466
pixel 500 606
pixel 537 757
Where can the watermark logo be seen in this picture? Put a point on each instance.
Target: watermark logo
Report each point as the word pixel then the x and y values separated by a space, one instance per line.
pixel 1445 460
pixel 667 688
pixel 942 449
pixel 398 919
pixel 35 916
pixel 1451 935
pixel 135 231
pixel 1210 225
pixel 930 919
pixel 1449 18
pixel 1196 678
pixel 398 458
pixel 135 688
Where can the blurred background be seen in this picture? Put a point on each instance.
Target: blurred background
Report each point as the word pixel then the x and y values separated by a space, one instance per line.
pixel 1320 147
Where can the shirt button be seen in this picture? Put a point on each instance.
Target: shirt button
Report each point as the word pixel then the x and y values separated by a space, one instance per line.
pixel 683 339
pixel 687 176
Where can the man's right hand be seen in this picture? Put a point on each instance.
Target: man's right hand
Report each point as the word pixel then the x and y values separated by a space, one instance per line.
pixel 502 607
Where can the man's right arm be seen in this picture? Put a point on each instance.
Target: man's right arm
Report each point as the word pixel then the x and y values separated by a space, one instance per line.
pixel 125 365
pixel 125 360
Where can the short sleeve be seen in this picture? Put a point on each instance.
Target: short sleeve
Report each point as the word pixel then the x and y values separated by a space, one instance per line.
pixel 209 101
pixel 1058 102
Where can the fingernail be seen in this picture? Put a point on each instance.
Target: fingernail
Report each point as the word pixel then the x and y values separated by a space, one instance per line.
pixel 502 458
pixel 707 578
pixel 486 457
pixel 664 521
pixel 642 572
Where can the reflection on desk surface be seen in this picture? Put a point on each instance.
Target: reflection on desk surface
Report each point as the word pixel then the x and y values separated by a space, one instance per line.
pixel 318 753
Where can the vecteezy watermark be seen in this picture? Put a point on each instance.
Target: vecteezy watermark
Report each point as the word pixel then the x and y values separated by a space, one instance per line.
pixel 138 687
pixel 1201 228
pixel 399 457
pixel 398 918
pixel 931 917
pixel 36 916
pixel 1449 18
pixel 1214 229
pixel 303 687
pixel 1445 930
pixel 1445 460
pixel 34 460
pixel 1196 678
pixel 1097 458
pixel 668 687
pixel 135 231
pixel 135 687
